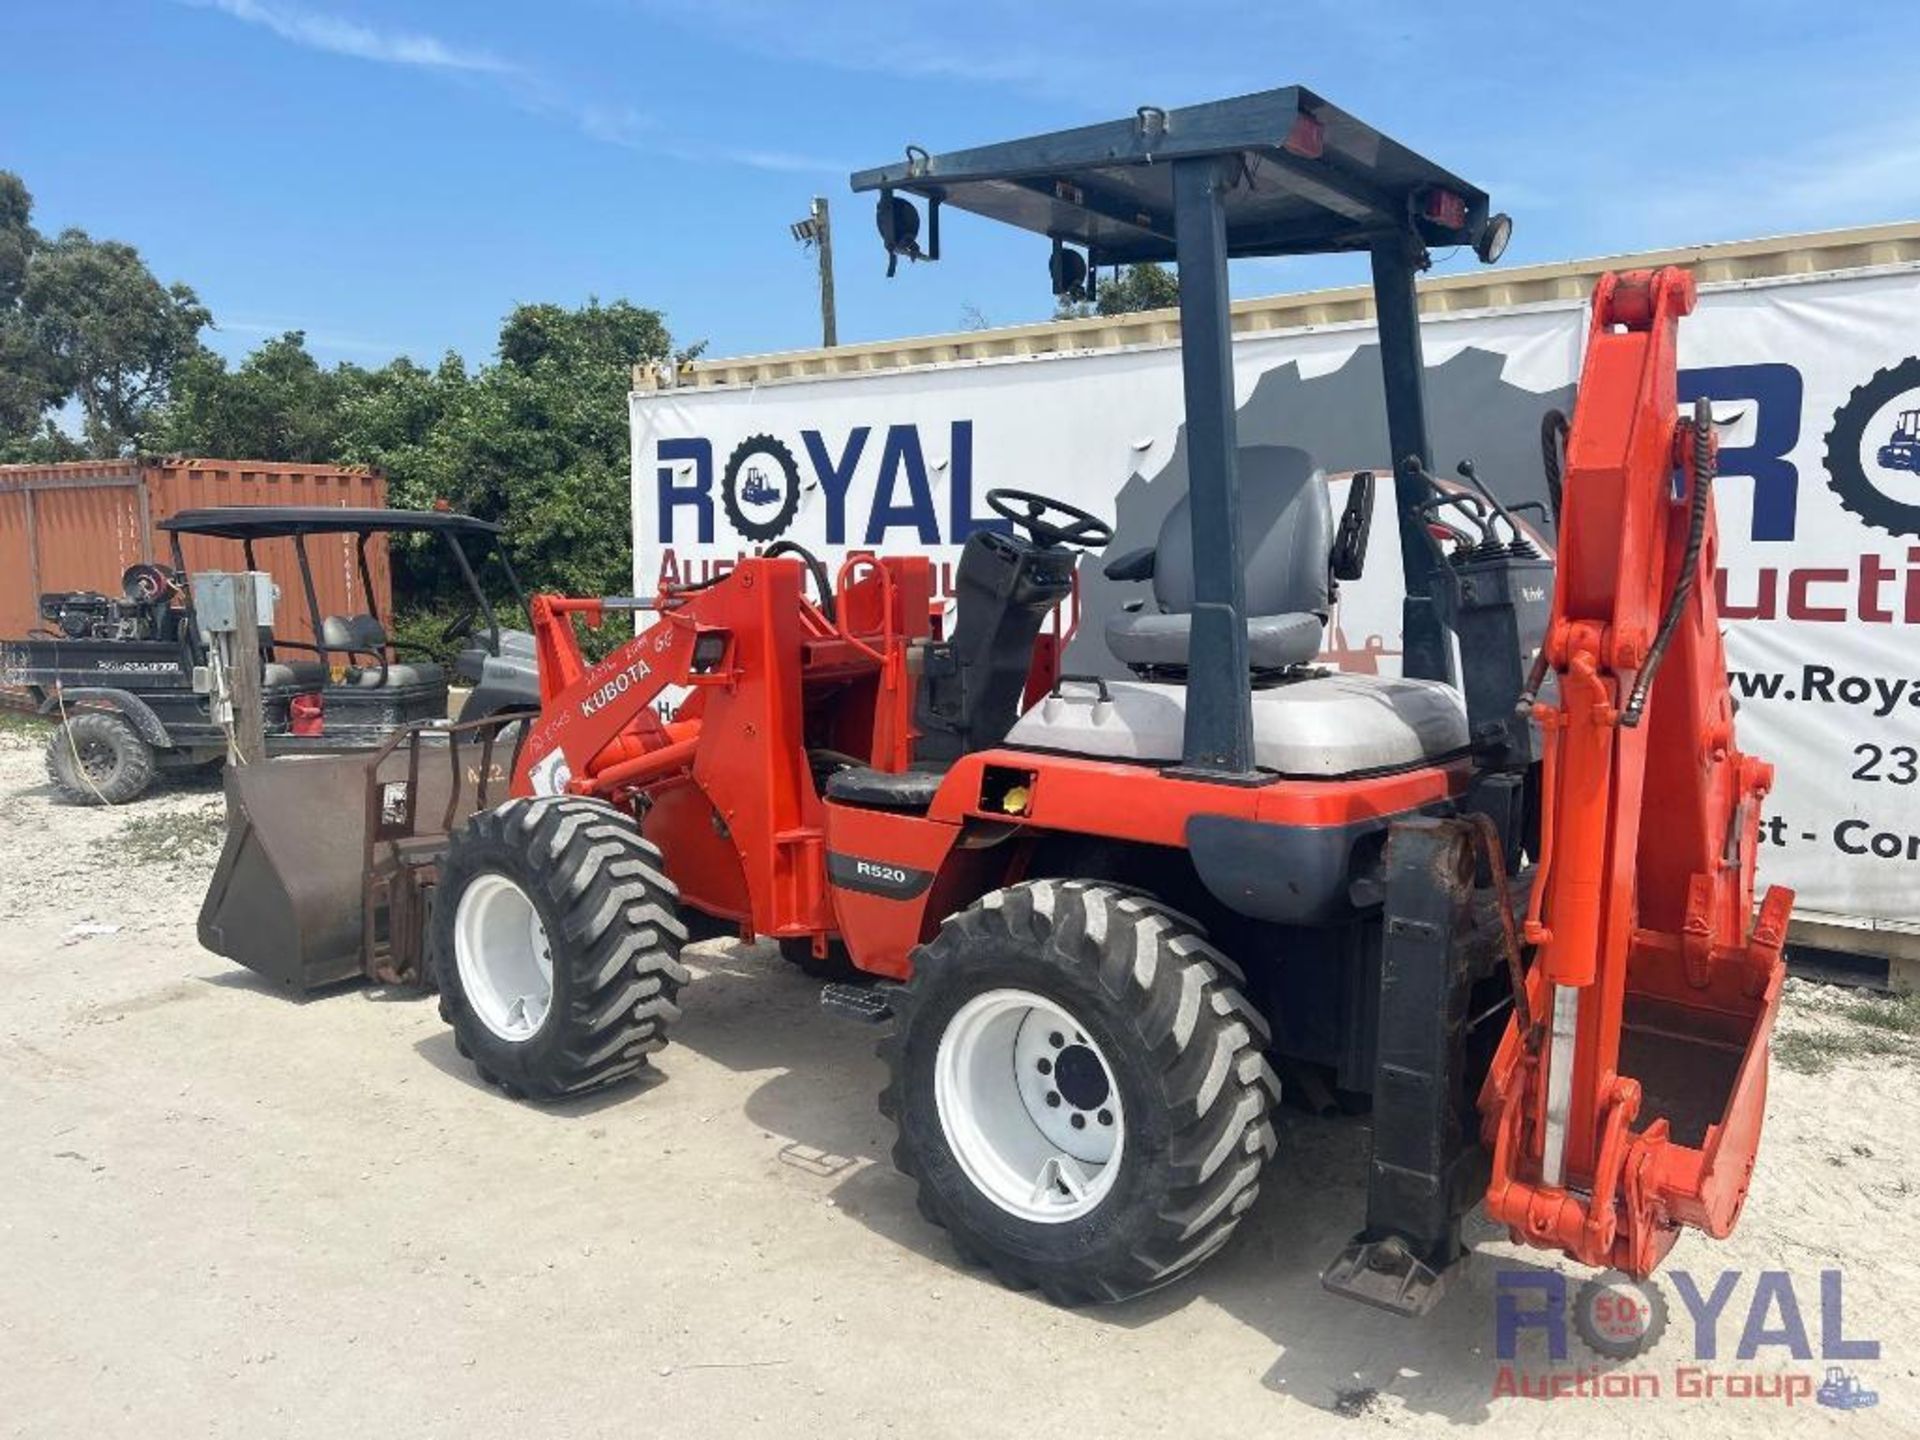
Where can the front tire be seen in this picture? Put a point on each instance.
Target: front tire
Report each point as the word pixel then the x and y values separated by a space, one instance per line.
pixel 555 944
pixel 95 757
pixel 1080 1089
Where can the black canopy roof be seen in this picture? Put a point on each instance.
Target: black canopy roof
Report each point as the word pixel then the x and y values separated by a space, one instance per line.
pixel 1311 178
pixel 274 522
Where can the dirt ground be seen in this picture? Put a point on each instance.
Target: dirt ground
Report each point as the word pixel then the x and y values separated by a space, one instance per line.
pixel 226 1213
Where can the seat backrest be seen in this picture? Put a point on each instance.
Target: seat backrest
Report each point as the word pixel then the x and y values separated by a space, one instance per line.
pixel 353 634
pixel 1286 537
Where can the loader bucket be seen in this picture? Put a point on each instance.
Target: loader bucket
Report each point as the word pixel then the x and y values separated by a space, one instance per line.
pixel 330 859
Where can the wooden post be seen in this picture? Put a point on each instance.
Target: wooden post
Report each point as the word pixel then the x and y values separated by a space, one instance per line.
pixel 823 239
pixel 248 738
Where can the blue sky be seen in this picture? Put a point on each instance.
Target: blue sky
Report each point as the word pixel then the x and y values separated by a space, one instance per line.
pixel 392 175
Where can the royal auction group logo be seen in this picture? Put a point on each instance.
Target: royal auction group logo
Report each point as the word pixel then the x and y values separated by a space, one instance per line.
pixel 1873 450
pixel 1751 1339
pixel 760 488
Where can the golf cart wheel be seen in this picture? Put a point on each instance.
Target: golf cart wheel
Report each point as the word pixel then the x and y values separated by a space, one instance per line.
pixel 1080 1089
pixel 555 944
pixel 97 758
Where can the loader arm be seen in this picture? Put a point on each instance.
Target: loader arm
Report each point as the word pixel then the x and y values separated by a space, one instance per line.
pixel 768 681
pixel 1631 1105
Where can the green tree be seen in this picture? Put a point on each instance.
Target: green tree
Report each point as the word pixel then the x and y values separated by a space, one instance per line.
pixel 539 441
pixel 111 334
pixel 28 389
pixel 83 322
pixel 278 404
pixel 1130 289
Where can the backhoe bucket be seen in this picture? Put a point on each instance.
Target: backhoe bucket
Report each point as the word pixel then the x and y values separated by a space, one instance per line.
pixel 1679 1122
pixel 329 861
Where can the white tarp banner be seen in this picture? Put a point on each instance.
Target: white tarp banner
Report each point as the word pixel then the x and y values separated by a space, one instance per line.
pixel 1815 383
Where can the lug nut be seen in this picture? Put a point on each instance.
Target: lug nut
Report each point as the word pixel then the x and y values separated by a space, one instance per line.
pixel 1053 1100
pixel 1056 1039
pixel 1045 1067
pixel 1106 1117
pixel 1078 1121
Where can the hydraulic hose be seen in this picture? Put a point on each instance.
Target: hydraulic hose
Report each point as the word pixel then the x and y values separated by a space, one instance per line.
pixel 1553 441
pixel 1703 468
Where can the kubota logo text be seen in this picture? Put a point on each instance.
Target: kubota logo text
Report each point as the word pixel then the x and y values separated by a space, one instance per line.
pixel 616 687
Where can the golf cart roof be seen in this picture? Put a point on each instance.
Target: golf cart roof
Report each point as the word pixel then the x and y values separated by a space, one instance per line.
pixel 1309 178
pixel 275 522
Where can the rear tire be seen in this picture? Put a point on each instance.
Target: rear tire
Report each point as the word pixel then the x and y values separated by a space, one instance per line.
pixel 555 944
pixel 1148 1045
pixel 96 758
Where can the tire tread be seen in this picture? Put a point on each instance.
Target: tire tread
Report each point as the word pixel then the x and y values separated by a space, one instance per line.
pixel 619 935
pixel 1201 1031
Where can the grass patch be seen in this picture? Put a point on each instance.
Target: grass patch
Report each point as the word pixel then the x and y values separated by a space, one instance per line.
pixel 24 725
pixel 166 839
pixel 1816 1051
pixel 1899 1014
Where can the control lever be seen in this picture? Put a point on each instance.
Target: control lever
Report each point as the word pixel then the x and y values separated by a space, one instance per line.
pixel 1466 471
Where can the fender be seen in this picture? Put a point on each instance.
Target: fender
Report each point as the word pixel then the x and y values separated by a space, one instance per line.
pixel 485 701
pixel 138 713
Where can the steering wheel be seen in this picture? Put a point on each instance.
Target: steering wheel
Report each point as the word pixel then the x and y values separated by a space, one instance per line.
pixel 1028 511
pixel 460 626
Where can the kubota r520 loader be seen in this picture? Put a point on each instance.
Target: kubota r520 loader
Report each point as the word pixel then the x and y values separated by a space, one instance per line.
pixel 1103 911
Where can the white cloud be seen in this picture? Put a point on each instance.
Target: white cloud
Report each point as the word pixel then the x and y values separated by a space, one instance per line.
pixel 339 36
pixel 527 89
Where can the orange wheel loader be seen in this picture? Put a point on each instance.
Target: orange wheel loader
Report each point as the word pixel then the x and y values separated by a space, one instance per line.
pixel 1097 919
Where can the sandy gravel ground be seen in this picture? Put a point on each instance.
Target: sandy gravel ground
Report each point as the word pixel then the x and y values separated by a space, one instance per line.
pixel 224 1213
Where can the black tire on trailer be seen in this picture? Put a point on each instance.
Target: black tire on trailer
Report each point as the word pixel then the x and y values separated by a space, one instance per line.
pixel 555 943
pixel 1098 1003
pixel 95 757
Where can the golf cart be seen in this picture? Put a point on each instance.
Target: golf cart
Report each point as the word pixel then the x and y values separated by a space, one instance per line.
pixel 127 676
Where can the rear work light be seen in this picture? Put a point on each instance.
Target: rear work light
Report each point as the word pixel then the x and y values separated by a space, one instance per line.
pixel 1444 208
pixel 1307 138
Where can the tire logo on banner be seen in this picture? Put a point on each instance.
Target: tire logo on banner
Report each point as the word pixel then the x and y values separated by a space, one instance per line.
pixel 1618 1316
pixel 1873 450
pixel 761 488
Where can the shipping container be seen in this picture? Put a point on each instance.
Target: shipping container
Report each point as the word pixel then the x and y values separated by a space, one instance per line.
pixel 78 526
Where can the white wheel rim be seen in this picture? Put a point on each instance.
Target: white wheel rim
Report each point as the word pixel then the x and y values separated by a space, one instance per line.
pixel 1029 1106
pixel 505 962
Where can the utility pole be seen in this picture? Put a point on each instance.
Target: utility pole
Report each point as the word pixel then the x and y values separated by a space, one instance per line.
pixel 816 233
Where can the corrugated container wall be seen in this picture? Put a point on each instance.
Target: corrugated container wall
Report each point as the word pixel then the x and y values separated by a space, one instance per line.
pixel 78 526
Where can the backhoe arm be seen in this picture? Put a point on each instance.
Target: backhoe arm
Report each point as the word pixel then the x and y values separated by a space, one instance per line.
pixel 1631 1106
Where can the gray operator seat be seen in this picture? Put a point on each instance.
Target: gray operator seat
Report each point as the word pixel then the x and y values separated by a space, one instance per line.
pixel 1286 541
pixel 1307 722
pixel 363 635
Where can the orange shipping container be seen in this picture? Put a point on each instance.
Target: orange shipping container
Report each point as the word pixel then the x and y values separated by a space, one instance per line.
pixel 78 526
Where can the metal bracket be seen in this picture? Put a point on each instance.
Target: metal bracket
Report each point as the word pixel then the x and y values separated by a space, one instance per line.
pixel 1386 1275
